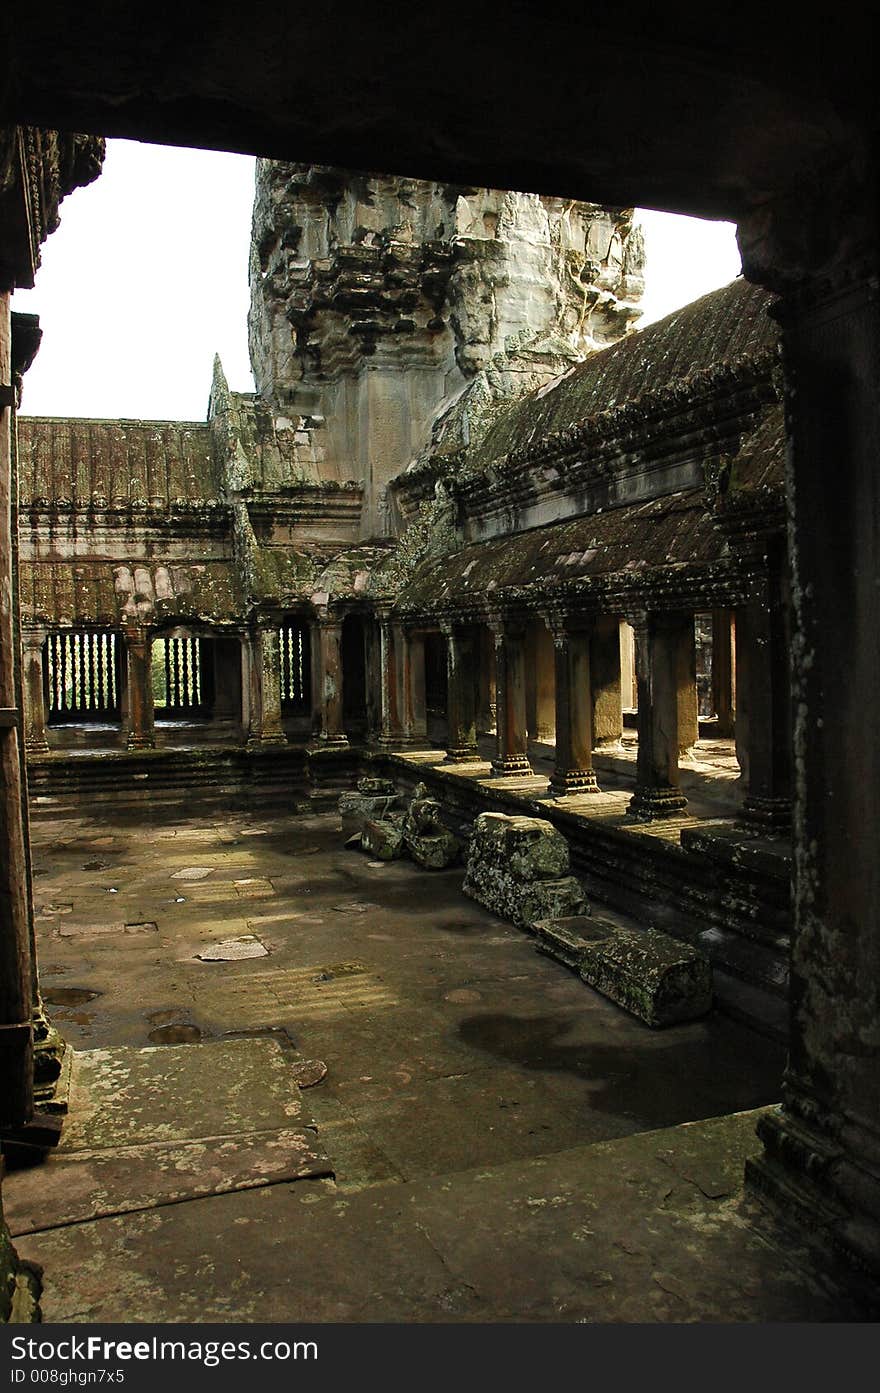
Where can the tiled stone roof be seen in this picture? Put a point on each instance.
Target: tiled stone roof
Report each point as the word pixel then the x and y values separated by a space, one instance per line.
pixel 73 464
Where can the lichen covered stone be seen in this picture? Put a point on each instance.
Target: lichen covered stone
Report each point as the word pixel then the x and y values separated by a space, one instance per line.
pixel 648 973
pixel 517 868
pixel 429 843
pixel 383 838
pixel 374 800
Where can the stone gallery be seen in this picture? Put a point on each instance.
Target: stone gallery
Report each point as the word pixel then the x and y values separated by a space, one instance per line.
pixel 489 623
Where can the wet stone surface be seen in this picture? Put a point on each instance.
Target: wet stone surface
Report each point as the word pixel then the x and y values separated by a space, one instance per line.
pixel 448 1042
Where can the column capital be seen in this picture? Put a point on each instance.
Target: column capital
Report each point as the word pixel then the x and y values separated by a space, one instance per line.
pixel 34 635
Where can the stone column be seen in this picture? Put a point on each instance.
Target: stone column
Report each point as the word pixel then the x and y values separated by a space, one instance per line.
pixel 264 672
pixel 723 671
pixel 512 757
pixel 34 690
pixel 139 690
pixel 17 970
pixel 462 651
pixel 605 681
pixel 402 667
pixel 763 705
pixel 627 666
pixel 487 708
pixel 332 731
pixel 573 769
pixel 373 678
pixel 821 1165
pixel 662 670
pixel 411 675
pixel 540 672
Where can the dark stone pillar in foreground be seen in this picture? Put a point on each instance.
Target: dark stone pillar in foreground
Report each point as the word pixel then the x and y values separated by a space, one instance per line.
pixel 512 739
pixel 821 1164
pixel 573 769
pixel 463 650
pixel 664 662
pixel 16 966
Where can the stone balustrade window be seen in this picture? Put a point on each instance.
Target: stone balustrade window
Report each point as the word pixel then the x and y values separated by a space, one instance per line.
pixel 182 671
pixel 296 677
pixel 81 673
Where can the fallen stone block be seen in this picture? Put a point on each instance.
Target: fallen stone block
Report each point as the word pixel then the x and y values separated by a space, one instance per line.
pixel 357 808
pixel 517 868
pixel 435 850
pixel 375 788
pixel 383 839
pixel 648 973
pixel 429 843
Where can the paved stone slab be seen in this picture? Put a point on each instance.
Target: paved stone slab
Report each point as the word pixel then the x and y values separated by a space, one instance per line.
pixel 601 1233
pixel 234 949
pixel 126 1096
pixel 71 1187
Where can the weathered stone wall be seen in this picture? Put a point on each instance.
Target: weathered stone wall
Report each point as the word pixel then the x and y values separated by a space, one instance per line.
pixel 376 301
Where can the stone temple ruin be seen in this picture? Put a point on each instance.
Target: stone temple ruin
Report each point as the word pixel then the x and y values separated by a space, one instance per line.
pixel 521 601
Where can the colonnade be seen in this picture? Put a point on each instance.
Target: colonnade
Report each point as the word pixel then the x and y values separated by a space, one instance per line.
pixel 259 700
pixel 588 680
pixel 562 673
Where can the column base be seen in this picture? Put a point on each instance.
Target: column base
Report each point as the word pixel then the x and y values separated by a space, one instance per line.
pixel 802 1179
pixel 49 1051
pixel 463 754
pixel 566 781
pixel 36 747
pixel 257 742
pixel 651 804
pixel 767 815
pixel 337 742
pixel 512 766
pixel 400 742
pixel 140 742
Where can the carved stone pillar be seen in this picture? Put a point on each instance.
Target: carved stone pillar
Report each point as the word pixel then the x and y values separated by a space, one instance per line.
pixel 723 671
pixel 462 654
pixel 763 705
pixel 264 687
pixel 662 643
pixel 332 730
pixel 605 681
pixel 573 769
pixel 512 757
pixel 34 690
pixel 487 706
pixel 139 690
pixel 402 668
pixel 411 677
pixel 821 1165
pixel 540 673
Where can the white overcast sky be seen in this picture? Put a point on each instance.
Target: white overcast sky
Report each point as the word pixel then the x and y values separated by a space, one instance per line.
pixel 146 279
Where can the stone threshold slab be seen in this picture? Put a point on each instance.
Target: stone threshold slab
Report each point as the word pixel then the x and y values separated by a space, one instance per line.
pixel 78 1186
pixel 132 1096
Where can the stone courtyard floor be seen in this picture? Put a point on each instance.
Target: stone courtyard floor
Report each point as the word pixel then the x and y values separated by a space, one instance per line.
pixel 492 1140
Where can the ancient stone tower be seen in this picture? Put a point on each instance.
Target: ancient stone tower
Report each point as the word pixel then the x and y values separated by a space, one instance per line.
pixel 377 301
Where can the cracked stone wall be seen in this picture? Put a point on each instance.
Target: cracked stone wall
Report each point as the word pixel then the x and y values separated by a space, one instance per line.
pixel 377 301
